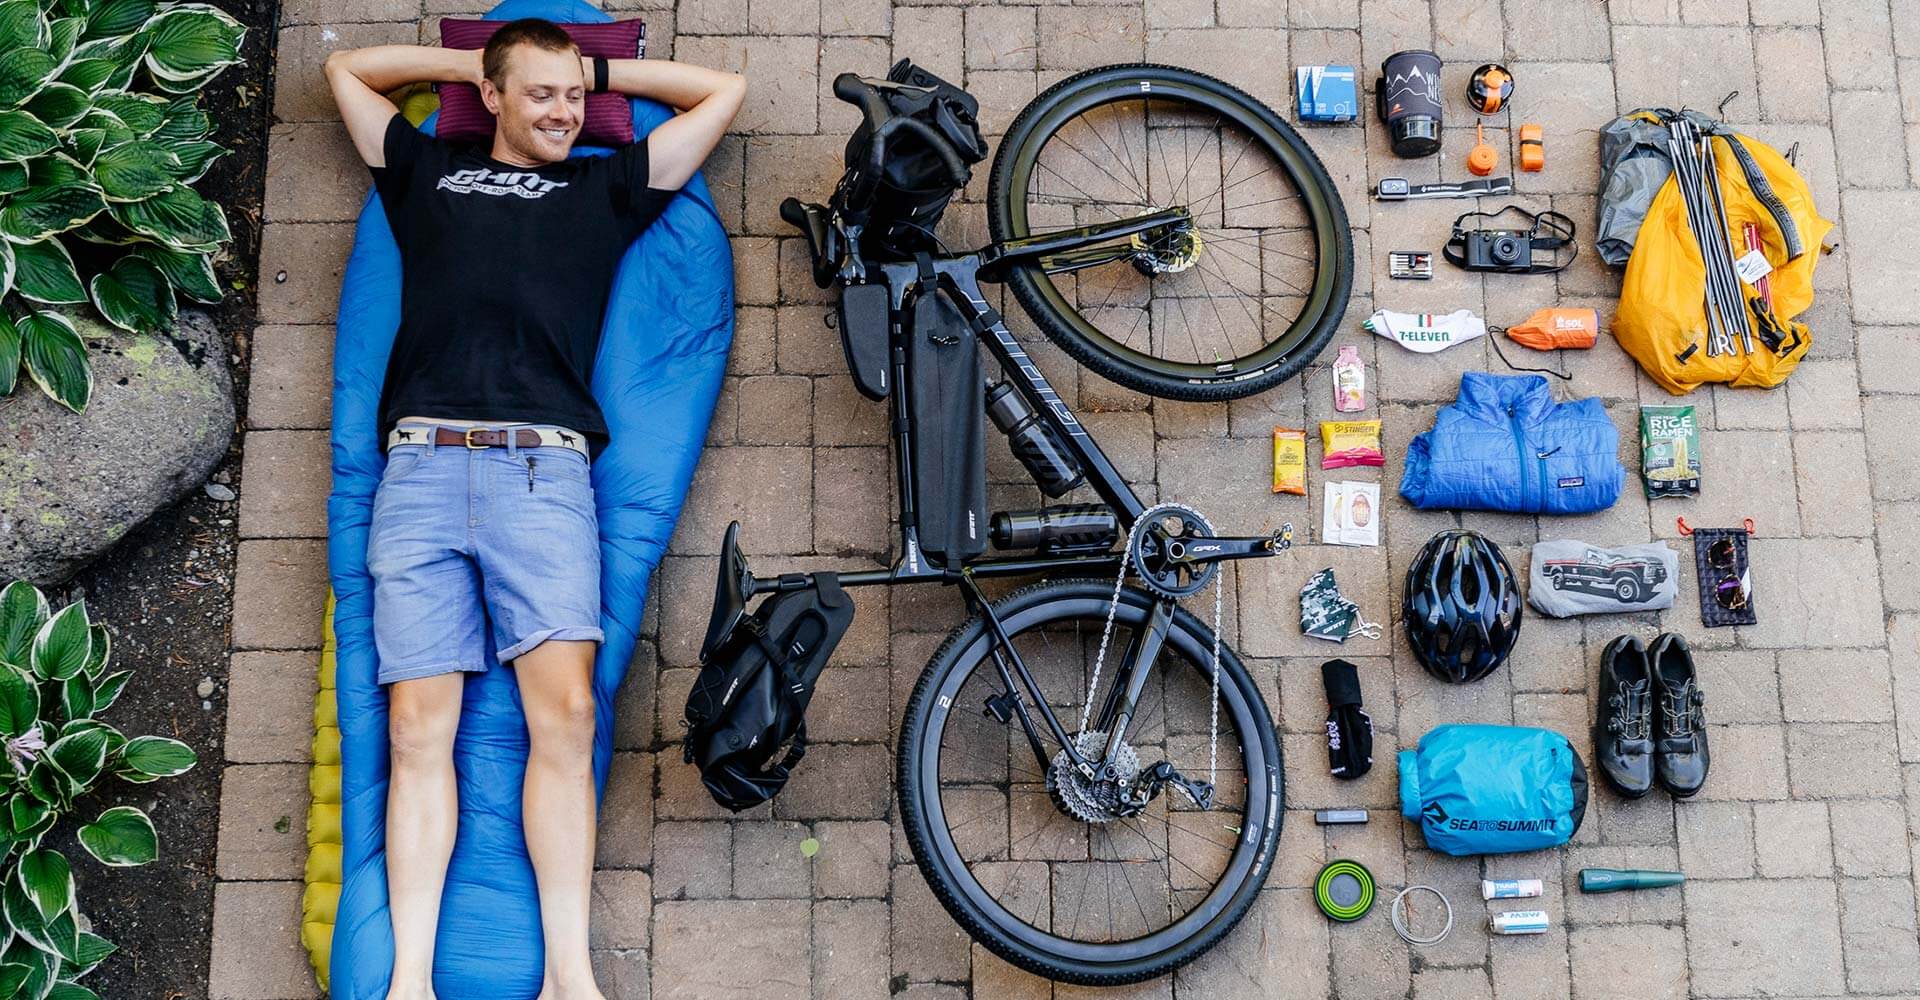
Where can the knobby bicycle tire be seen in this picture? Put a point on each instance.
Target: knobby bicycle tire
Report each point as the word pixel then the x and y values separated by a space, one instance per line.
pixel 1259 370
pixel 935 864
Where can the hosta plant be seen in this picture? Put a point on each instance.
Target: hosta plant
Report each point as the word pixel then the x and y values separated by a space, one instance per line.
pixel 101 141
pixel 54 681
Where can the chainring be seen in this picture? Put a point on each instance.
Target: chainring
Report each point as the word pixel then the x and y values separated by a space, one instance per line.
pixel 1152 546
pixel 1091 800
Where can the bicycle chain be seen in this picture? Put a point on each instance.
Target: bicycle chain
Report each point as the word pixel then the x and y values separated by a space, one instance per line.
pixel 1146 518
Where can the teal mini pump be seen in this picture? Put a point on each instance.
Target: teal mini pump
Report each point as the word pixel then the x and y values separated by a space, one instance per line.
pixel 1622 879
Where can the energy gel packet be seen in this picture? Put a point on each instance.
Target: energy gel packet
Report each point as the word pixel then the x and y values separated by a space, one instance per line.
pixel 1289 461
pixel 1669 451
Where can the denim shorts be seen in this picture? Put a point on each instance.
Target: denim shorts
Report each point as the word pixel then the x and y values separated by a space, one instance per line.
pixel 470 543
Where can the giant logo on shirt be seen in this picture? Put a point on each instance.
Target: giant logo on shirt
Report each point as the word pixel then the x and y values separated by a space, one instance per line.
pixel 479 180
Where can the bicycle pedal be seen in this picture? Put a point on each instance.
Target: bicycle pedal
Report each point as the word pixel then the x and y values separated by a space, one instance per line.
pixel 1000 707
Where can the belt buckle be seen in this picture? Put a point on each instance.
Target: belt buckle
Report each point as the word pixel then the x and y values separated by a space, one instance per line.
pixel 468 438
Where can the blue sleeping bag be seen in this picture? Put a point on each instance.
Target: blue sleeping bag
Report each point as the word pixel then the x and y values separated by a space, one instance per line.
pixel 663 350
pixel 1504 444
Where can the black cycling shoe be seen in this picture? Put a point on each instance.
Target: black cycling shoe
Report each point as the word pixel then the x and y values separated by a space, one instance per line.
pixel 1680 757
pixel 1623 728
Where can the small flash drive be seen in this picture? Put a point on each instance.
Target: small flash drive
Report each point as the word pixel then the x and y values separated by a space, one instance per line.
pixel 1329 817
pixel 1414 264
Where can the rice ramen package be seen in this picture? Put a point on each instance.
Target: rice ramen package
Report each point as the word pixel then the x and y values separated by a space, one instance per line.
pixel 1289 461
pixel 1669 451
pixel 1350 442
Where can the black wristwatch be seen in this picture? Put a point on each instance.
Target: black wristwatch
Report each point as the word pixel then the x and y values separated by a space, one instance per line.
pixel 599 74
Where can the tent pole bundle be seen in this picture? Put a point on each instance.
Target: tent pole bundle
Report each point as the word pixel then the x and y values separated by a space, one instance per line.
pixel 1694 172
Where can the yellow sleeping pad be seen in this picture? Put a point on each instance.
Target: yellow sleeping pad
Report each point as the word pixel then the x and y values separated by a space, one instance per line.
pixel 323 817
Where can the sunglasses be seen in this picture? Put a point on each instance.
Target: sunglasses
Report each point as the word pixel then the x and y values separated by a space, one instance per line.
pixel 1730 590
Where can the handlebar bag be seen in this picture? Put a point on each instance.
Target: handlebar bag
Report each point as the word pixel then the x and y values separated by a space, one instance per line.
pixel 947 421
pixel 1493 789
pixel 749 702
pixel 914 188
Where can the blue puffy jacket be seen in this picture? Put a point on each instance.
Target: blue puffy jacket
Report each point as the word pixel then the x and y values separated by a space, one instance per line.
pixel 1505 444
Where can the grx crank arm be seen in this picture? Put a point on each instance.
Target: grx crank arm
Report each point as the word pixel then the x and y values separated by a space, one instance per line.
pixel 1194 551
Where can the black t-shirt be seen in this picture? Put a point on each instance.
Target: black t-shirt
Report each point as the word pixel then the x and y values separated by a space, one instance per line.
pixel 505 275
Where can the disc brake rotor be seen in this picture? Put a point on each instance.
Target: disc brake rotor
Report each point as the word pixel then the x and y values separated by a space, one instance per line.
pixel 1166 250
pixel 1091 800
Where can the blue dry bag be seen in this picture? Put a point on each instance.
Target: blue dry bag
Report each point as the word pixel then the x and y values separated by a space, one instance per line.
pixel 1493 789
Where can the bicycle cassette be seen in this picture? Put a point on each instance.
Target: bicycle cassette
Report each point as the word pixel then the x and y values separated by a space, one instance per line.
pixel 1092 800
pixel 1157 548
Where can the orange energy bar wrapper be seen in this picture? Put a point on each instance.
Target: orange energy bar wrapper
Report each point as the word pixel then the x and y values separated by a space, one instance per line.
pixel 1289 461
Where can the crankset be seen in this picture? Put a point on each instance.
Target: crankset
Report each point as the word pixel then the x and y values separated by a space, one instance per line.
pixel 1177 554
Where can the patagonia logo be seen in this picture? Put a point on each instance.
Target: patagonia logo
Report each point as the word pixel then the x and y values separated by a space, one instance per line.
pixel 1569 482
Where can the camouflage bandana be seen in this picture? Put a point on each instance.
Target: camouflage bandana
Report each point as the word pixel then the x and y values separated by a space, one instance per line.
pixel 1327 614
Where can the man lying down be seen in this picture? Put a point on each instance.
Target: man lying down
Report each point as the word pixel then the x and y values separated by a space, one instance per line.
pixel 484 518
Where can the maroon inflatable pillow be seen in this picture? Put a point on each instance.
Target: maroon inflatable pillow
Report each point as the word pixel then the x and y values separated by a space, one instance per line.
pixel 609 120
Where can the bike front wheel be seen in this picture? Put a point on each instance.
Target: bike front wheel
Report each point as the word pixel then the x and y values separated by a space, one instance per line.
pixel 1005 847
pixel 1238 300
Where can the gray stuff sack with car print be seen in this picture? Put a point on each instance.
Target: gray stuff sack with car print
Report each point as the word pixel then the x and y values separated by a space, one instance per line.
pixel 1574 578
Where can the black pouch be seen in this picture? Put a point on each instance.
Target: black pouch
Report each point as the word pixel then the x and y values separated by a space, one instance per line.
pixel 746 714
pixel 947 415
pixel 865 334
pixel 1724 576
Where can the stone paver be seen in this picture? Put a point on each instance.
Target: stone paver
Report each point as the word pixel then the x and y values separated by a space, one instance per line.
pixel 1800 852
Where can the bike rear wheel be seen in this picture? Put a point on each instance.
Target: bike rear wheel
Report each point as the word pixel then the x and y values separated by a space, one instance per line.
pixel 1094 903
pixel 1241 302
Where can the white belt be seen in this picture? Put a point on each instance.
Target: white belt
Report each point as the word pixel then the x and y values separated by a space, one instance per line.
pixel 550 437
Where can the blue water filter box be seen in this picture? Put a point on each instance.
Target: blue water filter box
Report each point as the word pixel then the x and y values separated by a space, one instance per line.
pixel 1326 93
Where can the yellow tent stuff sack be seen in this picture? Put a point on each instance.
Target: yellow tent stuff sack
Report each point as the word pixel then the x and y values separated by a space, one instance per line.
pixel 1773 238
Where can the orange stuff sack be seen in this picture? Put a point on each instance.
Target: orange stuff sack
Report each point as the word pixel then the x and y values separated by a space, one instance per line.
pixel 1551 329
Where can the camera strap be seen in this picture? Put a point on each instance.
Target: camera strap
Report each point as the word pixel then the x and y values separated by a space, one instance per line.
pixel 1549 231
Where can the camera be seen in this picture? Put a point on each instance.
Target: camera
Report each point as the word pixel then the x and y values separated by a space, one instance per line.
pixel 1512 251
pixel 1498 250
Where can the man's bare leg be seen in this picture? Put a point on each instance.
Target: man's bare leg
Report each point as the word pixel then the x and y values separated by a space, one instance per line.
pixel 423 811
pixel 557 693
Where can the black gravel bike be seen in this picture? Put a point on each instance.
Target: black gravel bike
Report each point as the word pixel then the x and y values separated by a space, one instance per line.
pixel 1089 778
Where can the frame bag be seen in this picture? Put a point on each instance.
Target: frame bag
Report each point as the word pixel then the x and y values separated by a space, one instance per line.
pixel 947 418
pixel 750 700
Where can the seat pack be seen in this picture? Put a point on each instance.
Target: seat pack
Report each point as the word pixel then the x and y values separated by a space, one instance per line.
pixel 746 713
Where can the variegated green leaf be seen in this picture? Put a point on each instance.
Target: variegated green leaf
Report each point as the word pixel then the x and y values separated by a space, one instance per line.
pixel 134 171
pixel 9 354
pixel 24 136
pixel 185 122
pixel 56 358
pixel 58 169
pixel 107 690
pixel 61 646
pixel 45 273
pixel 157 756
pixel 80 758
pixel 63 35
pixel 122 837
pixel 22 25
pixel 76 697
pixel 22 72
pixel 88 74
pixel 133 295
pixel 143 113
pixel 13 177
pixel 190 40
pixel 93 949
pixel 85 143
pixel 47 881
pixel 23 609
pixel 113 18
pixel 60 104
pixel 19 701
pixel 178 217
pixel 43 210
pixel 98 650
pixel 191 272
pixel 193 157
pixel 6 267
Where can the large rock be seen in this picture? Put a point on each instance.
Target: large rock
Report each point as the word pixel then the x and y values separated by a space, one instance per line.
pixel 71 485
